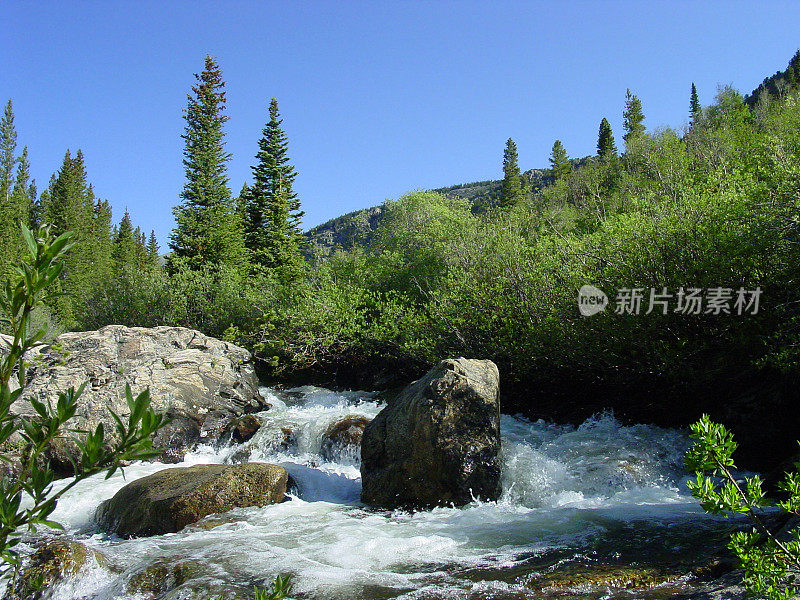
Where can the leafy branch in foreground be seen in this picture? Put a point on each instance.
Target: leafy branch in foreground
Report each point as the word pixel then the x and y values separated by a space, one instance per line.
pixel 26 497
pixel 280 589
pixel 771 565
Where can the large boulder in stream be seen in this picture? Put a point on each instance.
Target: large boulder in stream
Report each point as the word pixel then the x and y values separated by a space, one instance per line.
pixel 437 443
pixel 202 383
pixel 168 501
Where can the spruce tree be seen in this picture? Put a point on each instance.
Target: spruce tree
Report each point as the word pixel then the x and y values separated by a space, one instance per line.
pixel 101 240
pixel 695 110
pixel 8 148
pixel 35 206
pixel 10 240
pixel 632 118
pixel 153 250
pixel 273 208
pixel 15 211
pixel 560 166
pixel 124 253
pixel 511 190
pixel 23 195
pixel 606 147
pixel 141 249
pixel 208 232
pixel 241 203
pixel 69 205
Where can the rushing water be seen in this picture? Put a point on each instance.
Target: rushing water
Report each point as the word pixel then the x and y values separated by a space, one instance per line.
pixel 598 493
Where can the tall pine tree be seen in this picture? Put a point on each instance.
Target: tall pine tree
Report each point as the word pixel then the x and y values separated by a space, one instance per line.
pixel 153 251
pixel 632 118
pixel 209 230
pixel 10 237
pixel 69 205
pixel 24 193
pixel 272 207
pixel 101 241
pixel 606 147
pixel 560 166
pixel 131 256
pixel 695 110
pixel 8 148
pixel 511 190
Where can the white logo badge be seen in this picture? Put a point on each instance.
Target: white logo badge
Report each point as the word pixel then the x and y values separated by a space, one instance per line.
pixel 591 300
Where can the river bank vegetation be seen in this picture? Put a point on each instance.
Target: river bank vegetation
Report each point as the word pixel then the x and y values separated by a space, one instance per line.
pixel 711 204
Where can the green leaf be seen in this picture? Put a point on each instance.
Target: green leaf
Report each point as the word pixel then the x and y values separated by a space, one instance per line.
pixel 30 242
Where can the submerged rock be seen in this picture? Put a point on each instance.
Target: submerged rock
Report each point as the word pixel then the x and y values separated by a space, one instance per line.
pixel 245 428
pixel 191 377
pixel 167 501
pixel 162 576
pixel 343 437
pixel 438 442
pixel 611 576
pixel 53 561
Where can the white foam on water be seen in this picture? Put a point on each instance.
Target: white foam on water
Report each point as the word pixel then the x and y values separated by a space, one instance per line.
pixel 563 488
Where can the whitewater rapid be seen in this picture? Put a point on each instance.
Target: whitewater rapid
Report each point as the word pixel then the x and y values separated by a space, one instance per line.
pixel 567 492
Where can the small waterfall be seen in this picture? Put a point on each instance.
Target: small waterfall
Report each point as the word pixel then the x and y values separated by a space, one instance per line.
pixel 569 493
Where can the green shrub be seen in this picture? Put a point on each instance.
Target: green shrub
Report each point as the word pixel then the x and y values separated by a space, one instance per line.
pixel 771 565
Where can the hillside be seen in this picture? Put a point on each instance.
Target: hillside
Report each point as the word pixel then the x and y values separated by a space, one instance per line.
pixel 356 227
pixel 779 83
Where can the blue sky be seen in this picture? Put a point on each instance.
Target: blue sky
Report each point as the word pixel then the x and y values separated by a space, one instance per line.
pixel 378 98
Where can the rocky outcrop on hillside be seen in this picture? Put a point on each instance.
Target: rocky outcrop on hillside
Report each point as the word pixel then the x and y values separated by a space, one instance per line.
pixel 343 232
pixel 200 382
pixel 438 442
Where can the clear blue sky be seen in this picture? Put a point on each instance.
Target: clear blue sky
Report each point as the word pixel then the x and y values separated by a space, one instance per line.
pixel 378 98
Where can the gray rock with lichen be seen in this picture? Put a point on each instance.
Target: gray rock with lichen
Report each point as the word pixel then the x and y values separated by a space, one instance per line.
pixel 438 442
pixel 193 378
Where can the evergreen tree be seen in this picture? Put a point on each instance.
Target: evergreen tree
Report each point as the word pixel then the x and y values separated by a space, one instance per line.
pixel 695 110
pixel 15 211
pixel 273 208
pixel 632 118
pixel 10 242
pixel 38 213
pixel 69 205
pixel 23 195
pixel 8 147
pixel 35 206
pixel 560 166
pixel 208 231
pixel 511 190
pixel 241 203
pixel 153 250
pixel 141 248
pixel 793 71
pixel 101 241
pixel 606 147
pixel 123 254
